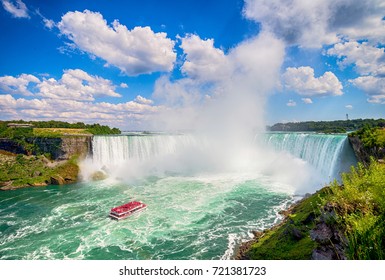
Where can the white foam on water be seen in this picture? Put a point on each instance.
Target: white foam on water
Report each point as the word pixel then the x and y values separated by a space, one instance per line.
pixel 274 216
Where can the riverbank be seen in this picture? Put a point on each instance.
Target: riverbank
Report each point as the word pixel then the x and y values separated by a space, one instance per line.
pixel 305 233
pixel 341 221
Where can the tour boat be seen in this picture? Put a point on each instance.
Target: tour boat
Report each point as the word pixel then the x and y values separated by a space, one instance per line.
pixel 128 209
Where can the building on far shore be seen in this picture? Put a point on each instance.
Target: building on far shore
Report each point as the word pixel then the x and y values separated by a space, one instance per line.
pixel 20 125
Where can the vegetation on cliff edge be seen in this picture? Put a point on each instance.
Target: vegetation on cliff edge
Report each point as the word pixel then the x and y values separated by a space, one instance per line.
pixel 371 138
pixel 360 207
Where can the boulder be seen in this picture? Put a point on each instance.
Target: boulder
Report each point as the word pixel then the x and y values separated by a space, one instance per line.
pixel 57 180
pixel 321 233
pixel 98 176
pixel 296 233
pixel 36 173
pixel 4 186
pixel 319 254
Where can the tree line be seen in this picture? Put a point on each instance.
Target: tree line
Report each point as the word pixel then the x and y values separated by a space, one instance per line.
pixel 96 129
pixel 338 126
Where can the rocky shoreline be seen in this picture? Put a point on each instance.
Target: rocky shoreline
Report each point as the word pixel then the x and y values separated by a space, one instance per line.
pixel 306 232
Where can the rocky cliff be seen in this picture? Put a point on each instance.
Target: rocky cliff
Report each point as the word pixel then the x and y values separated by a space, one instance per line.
pixel 25 163
pixel 11 146
pixel 363 153
pixel 64 147
pixel 60 148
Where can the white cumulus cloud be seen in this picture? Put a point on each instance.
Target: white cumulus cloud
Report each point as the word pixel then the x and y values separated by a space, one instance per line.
pixel 127 115
pixel 368 60
pixel 350 107
pixel 203 60
pixel 291 103
pixel 372 86
pixel 318 22
pixel 134 52
pixel 307 100
pixel 142 100
pixel 17 8
pixel 303 81
pixel 75 84
pixel 49 23
pixel 17 85
pixel 73 97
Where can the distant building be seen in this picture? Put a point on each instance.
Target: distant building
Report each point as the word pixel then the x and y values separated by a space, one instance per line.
pixel 20 125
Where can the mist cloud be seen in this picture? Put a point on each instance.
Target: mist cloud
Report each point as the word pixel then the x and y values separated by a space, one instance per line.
pixel 233 98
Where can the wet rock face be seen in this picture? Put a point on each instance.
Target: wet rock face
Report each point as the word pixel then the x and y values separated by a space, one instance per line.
pixel 11 146
pixel 57 180
pixel 361 153
pixel 65 147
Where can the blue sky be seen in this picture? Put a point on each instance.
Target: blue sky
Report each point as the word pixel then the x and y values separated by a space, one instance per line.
pixel 131 63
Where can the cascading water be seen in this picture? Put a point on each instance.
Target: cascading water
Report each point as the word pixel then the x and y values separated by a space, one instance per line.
pixel 329 154
pixel 110 150
pixel 134 156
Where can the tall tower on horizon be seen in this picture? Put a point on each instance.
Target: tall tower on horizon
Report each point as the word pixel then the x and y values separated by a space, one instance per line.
pixel 347 117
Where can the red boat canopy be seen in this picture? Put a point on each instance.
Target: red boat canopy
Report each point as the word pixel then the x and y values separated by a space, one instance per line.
pixel 127 207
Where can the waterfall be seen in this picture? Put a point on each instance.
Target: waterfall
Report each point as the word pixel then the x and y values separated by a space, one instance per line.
pixel 110 150
pixel 143 155
pixel 330 154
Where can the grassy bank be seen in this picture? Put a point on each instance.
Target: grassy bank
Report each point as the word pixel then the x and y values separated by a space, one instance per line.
pixel 18 171
pixel 59 132
pixel 340 221
pixel 7 128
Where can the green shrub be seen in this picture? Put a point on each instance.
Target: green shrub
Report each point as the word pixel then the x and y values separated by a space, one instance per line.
pixel 360 205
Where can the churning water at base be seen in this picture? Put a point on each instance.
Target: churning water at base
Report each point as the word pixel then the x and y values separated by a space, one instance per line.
pixel 187 218
pixel 199 216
